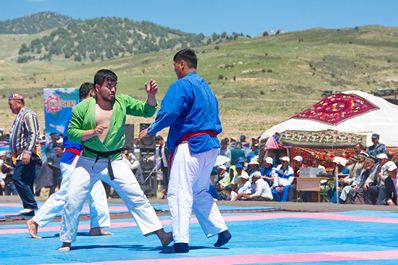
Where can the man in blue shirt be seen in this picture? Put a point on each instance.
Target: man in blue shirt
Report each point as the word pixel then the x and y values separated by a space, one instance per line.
pixel 376 148
pixel 190 109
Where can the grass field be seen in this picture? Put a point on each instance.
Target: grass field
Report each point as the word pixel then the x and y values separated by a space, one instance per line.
pixel 259 81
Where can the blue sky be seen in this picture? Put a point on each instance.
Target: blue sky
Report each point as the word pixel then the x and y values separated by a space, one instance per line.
pixel 208 16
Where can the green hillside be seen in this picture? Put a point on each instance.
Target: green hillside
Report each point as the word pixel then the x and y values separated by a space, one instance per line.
pixel 33 24
pixel 259 81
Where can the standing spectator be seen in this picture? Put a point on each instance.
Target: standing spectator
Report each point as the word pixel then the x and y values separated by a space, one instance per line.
pixel 135 166
pixel 284 176
pixel 162 155
pixel 376 148
pixel 23 138
pixel 49 150
pixel 54 163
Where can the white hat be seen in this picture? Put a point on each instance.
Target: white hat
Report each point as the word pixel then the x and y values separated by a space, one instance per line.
pixel 382 156
pixel 390 166
pixel 340 160
pixel 253 161
pixel 244 176
pixel 298 158
pixel 256 174
pixel 269 160
pixel 222 167
pixel 285 158
pixel 233 138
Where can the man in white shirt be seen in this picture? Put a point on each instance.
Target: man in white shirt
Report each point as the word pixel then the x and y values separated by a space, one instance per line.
pixel 261 191
pixel 244 187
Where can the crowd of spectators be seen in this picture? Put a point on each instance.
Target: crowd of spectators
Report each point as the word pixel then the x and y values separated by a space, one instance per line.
pixel 369 176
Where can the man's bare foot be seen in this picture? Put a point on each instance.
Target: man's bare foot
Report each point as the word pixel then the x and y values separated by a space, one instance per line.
pixel 32 228
pixel 97 231
pixel 65 247
pixel 165 238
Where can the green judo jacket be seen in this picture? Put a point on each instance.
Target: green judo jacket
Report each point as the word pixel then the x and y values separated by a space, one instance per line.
pixel 83 118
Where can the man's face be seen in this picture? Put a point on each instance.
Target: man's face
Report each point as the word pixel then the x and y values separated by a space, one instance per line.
pixel 58 150
pixel 358 149
pixel 375 140
pixel 368 164
pixel 392 173
pixel 179 68
pixel 15 106
pixel 107 90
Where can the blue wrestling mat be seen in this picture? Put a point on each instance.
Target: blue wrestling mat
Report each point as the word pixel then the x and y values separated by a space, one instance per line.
pixel 10 211
pixel 357 237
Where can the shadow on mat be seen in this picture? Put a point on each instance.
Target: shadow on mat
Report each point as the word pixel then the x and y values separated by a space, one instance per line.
pixel 135 247
pixel 78 234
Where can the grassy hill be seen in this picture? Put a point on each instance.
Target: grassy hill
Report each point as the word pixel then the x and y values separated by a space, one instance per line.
pixel 259 81
pixel 34 24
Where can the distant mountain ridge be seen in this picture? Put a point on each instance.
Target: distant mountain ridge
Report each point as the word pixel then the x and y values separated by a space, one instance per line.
pixel 99 38
pixel 34 23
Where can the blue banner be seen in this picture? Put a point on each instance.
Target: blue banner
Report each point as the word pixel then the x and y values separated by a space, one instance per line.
pixel 58 104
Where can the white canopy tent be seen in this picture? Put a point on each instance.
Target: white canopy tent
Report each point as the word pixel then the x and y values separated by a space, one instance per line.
pixel 383 121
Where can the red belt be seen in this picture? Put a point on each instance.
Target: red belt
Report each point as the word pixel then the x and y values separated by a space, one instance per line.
pixel 73 151
pixel 188 136
pixel 193 134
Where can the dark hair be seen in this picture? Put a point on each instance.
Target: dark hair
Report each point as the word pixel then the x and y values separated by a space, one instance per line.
pixel 187 55
pixel 85 89
pixel 158 137
pixel 103 75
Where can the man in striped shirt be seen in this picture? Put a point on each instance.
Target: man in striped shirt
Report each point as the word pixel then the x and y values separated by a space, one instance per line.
pixel 23 138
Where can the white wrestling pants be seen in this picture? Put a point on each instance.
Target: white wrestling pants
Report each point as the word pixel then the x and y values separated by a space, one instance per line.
pixel 86 174
pixel 188 189
pixel 99 211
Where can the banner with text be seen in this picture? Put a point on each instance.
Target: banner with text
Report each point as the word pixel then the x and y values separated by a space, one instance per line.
pixel 58 104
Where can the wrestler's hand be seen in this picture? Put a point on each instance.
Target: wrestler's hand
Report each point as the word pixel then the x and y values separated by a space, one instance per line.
pixel 26 158
pixel 151 89
pixel 100 129
pixel 93 132
pixel 143 134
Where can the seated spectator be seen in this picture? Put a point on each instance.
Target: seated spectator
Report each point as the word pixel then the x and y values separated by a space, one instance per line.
pixel 261 191
pixel 253 165
pixel 267 170
pixel 284 176
pixel 297 165
pixel 390 190
pixel 252 153
pixel 244 187
pixel 376 148
pixel 236 153
pixel 379 185
pixel 239 174
pixel 353 180
pixel 224 150
pixel 317 164
pixel 340 171
pixel 223 179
